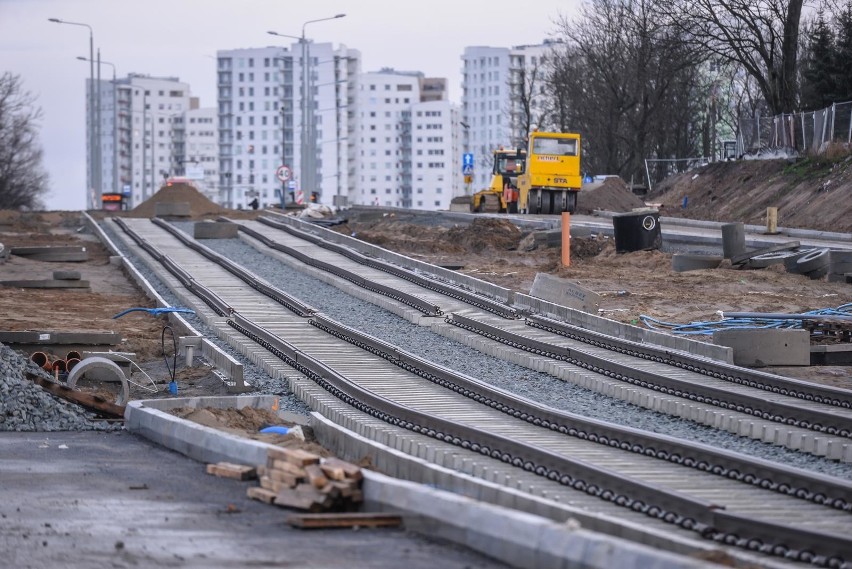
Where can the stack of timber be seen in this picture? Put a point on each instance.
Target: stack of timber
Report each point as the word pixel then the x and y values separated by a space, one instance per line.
pixel 294 478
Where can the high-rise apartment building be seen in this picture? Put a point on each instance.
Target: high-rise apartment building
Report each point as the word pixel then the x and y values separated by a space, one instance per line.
pixel 493 78
pixel 408 150
pixel 195 148
pixel 135 134
pixel 261 92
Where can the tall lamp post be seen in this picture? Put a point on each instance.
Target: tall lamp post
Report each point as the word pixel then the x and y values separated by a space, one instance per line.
pixel 92 158
pixel 115 184
pixel 307 167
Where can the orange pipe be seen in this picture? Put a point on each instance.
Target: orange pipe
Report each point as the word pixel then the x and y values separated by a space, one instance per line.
pixel 566 239
pixel 58 365
pixel 73 355
pixel 41 360
pixel 70 363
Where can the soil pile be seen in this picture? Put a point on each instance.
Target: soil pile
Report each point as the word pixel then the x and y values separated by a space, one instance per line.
pixel 486 233
pixel 610 195
pixel 810 193
pixel 199 205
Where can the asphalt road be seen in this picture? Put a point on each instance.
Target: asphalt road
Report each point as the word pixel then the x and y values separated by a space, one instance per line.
pixel 82 500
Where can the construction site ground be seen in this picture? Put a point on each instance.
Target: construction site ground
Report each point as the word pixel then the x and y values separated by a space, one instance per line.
pixel 489 248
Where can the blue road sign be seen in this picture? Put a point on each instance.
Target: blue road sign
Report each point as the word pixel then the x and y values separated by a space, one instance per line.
pixel 467 169
pixel 467 159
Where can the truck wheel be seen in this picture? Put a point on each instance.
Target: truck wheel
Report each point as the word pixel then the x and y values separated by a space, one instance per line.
pixel 572 202
pixel 534 202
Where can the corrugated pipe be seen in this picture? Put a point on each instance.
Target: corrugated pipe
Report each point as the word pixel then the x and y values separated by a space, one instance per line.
pixel 41 360
pixel 70 363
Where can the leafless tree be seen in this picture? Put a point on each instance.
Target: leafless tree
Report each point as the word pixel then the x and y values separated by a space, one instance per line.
pixel 23 179
pixel 627 82
pixel 760 35
pixel 527 96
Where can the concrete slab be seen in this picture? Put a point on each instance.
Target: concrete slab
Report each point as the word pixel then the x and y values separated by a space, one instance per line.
pixel 766 347
pixel 565 292
pixel 215 230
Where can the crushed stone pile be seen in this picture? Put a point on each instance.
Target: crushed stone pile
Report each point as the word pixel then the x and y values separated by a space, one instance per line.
pixel 198 204
pixel 25 406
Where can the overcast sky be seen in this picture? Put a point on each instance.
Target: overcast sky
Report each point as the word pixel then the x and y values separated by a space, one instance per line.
pixel 180 38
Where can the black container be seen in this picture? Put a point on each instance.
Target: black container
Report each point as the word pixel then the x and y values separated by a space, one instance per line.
pixel 637 231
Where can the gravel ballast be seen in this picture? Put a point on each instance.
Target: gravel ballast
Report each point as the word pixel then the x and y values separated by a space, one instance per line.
pixel 25 406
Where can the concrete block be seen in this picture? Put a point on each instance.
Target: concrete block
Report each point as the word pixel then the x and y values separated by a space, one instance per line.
pixel 171 209
pixel 215 230
pixel 766 347
pixel 565 293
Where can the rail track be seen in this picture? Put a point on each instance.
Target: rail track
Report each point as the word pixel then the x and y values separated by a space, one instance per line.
pixel 650 480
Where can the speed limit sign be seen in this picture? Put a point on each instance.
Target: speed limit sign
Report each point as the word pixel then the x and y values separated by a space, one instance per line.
pixel 283 173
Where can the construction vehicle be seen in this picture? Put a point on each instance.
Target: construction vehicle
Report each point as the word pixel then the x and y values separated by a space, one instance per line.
pixel 502 195
pixel 552 177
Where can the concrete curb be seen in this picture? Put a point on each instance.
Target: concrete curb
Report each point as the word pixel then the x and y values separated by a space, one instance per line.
pixel 520 539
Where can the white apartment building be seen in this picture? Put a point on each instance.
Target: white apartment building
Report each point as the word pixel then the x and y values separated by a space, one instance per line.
pixel 491 114
pixel 195 155
pixel 260 98
pixel 143 127
pixel 408 150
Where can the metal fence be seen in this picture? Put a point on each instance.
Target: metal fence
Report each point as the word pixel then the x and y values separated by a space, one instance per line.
pixel 806 132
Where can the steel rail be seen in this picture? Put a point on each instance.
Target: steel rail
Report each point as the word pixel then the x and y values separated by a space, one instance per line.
pixel 811 487
pixel 413 301
pixel 769 410
pixel 447 289
pixel 790 387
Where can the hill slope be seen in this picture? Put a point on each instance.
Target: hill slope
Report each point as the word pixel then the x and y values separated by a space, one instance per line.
pixel 809 193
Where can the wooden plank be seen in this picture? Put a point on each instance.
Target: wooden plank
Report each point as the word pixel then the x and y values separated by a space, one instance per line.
pixel 288 467
pixel 344 520
pixel 87 400
pixel 230 470
pixel 316 476
pixel 293 456
pixel 261 494
pixel 351 470
pixel 287 479
pixel 290 498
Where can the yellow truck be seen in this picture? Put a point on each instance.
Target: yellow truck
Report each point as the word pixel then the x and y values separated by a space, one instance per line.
pixel 552 178
pixel 502 195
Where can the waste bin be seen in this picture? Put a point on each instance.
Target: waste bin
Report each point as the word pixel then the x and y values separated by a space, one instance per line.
pixel 637 231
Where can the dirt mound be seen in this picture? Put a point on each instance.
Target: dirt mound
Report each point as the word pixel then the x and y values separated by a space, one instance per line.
pixel 486 233
pixel 610 195
pixel 198 204
pixel 810 193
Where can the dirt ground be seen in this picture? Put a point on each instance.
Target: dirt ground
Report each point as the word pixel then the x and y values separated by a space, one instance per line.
pixel 630 284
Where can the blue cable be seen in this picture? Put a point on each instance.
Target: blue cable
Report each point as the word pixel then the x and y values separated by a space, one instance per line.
pixel 154 311
pixel 707 327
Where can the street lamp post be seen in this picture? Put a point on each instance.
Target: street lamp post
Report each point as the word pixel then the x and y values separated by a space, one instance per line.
pixel 91 97
pixel 307 167
pixel 116 186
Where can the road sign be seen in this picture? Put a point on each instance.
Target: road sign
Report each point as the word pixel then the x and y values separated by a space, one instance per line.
pixel 467 170
pixel 468 179
pixel 283 173
pixel 467 159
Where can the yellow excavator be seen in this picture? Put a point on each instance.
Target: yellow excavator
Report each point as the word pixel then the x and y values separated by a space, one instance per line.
pixel 502 195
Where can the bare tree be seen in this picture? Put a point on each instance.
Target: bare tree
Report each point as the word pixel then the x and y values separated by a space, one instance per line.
pixel 760 35
pixel 627 82
pixel 23 179
pixel 527 100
